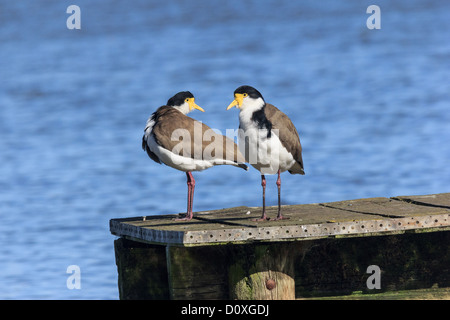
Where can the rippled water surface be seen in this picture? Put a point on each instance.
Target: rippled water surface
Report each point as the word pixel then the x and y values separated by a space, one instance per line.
pixel 371 106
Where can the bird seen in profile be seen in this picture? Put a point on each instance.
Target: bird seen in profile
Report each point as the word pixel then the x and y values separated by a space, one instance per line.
pixel 178 141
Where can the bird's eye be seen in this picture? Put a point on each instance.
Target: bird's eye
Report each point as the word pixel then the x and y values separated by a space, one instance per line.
pixel 245 95
pixel 187 99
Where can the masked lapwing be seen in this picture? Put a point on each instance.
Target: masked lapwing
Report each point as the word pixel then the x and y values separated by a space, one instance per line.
pixel 173 138
pixel 268 139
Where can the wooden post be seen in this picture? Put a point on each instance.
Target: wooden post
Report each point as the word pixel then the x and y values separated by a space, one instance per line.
pixel 141 269
pixel 263 271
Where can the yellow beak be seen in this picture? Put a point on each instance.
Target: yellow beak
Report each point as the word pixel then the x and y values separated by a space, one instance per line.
pixel 238 98
pixel 192 105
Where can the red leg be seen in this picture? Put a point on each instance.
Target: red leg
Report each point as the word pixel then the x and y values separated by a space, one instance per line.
pixel 191 213
pixel 188 194
pixel 263 184
pixel 279 215
pixel 190 197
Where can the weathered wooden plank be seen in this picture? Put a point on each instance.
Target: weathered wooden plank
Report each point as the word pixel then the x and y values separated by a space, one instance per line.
pixel 384 207
pixel 439 200
pixel 334 220
pixel 306 232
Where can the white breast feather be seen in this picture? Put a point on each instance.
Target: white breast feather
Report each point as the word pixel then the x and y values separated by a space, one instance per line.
pixel 267 155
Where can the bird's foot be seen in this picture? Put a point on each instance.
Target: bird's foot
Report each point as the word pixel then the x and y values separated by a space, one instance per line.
pixel 281 217
pixel 263 218
pixel 187 217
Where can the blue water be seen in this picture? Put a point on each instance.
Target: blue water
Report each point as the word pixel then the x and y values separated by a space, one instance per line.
pixel 371 106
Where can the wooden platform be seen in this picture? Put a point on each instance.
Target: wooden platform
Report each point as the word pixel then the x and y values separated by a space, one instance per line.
pixel 323 250
pixel 362 217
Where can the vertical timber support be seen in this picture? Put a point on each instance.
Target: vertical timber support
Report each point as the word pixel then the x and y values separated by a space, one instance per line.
pixel 197 272
pixel 142 272
pixel 263 271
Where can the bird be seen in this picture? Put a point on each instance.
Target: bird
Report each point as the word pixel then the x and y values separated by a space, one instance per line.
pixel 268 139
pixel 183 143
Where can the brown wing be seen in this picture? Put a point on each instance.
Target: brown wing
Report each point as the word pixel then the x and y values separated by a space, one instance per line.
pixel 288 135
pixel 191 138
